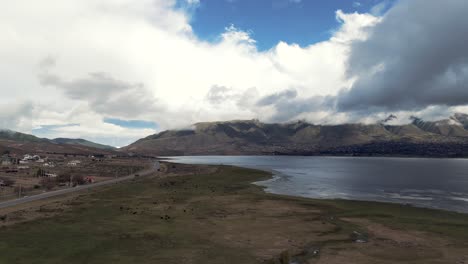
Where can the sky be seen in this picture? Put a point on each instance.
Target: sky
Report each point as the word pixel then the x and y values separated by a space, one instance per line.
pixel 270 21
pixel 113 71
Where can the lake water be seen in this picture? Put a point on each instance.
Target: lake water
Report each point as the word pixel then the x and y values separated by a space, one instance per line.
pixel 434 183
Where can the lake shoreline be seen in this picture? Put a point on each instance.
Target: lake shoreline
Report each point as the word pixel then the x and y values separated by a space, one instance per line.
pixel 279 174
pixel 449 157
pixel 415 181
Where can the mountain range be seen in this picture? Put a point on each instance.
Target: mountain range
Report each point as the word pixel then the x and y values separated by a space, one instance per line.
pixel 443 138
pixel 24 143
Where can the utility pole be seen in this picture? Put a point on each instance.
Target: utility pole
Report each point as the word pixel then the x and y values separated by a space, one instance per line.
pixel 19 192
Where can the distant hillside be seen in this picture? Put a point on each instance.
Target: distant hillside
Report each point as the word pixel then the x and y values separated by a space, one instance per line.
pixel 453 127
pixel 24 143
pixel 462 119
pixel 81 142
pixel 17 136
pixel 251 137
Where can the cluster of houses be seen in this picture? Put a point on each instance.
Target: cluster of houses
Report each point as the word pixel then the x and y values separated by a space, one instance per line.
pixel 40 166
pixel 8 160
pixel 32 158
pixel 13 164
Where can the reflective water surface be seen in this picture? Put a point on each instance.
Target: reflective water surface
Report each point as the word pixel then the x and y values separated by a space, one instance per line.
pixel 436 183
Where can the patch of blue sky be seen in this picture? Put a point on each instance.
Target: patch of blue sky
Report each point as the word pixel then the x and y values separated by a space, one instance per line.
pixel 303 22
pixel 134 124
pixel 45 130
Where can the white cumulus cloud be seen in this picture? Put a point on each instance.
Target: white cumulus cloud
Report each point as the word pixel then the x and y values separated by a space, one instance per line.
pixel 78 62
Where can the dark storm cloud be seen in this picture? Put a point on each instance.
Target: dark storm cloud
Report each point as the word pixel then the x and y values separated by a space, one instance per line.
pixel 289 105
pixel 277 97
pixel 105 94
pixel 287 110
pixel 416 57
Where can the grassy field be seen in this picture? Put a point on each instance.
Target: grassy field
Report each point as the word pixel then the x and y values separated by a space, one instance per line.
pixel 219 217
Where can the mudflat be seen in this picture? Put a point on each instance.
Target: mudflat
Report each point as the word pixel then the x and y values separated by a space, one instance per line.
pixel 213 214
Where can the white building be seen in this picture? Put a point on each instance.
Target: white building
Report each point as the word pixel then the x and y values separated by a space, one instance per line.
pixel 74 163
pixel 6 163
pixel 49 164
pixel 28 157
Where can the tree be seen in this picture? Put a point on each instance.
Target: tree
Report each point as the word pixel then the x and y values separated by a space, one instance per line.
pixel 40 172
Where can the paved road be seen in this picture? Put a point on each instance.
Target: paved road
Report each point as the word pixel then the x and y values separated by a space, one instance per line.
pixel 45 195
